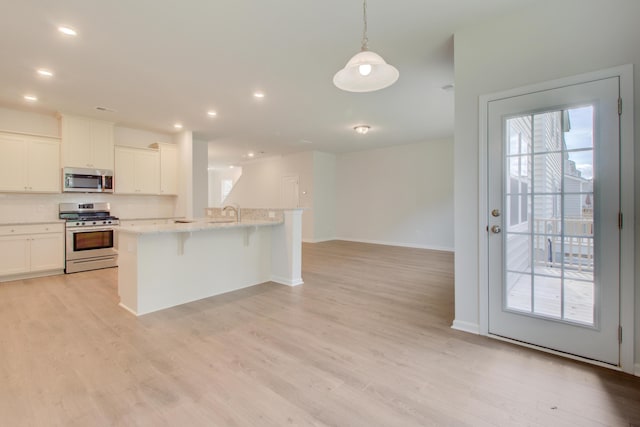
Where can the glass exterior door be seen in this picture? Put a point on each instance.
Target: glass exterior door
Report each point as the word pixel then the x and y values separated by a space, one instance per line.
pixel 553 234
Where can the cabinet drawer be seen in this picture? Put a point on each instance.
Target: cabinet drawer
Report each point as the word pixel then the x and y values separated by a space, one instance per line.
pixel 14 230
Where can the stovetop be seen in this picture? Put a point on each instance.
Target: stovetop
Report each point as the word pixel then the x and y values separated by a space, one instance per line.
pixel 91 221
pixel 87 214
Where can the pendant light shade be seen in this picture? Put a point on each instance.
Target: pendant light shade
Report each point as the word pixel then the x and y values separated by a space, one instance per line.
pixel 366 71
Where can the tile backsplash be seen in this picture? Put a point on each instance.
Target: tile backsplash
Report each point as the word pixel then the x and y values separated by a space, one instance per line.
pixel 44 207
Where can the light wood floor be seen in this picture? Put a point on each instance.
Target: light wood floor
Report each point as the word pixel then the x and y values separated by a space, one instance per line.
pixel 366 341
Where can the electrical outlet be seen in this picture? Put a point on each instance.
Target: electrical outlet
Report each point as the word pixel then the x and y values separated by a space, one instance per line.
pixel 272 214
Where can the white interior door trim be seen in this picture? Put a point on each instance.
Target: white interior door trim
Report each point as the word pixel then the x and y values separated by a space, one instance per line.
pixel 627 248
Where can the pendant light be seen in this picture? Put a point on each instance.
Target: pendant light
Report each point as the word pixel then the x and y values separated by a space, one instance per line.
pixel 366 71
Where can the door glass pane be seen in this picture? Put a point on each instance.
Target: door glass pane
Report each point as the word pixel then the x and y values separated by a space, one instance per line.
pixel 518 291
pixel 547 296
pixel 547 173
pixel 578 300
pixel 579 128
pixel 549 240
pixel 518 259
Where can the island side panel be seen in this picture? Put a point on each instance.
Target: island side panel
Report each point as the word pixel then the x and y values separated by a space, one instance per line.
pixel 286 243
pixel 176 268
pixel 128 271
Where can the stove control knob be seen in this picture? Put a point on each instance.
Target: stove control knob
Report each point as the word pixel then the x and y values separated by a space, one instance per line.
pixel 94 223
pixel 104 222
pixel 82 223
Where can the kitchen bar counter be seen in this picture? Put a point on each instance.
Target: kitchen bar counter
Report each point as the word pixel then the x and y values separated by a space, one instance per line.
pixel 191 225
pixel 164 265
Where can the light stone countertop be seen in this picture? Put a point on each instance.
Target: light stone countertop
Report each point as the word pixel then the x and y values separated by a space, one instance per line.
pixel 197 224
pixel 53 221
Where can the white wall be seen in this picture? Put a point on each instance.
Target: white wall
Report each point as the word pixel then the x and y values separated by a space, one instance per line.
pixel 401 195
pixel 199 170
pixel 261 183
pixel 552 39
pixel 324 196
pixel 215 183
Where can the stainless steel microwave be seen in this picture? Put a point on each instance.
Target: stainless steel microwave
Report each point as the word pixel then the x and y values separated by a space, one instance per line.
pixel 83 180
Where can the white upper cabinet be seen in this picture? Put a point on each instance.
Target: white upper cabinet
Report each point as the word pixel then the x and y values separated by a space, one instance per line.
pixel 168 168
pixel 29 163
pixel 86 143
pixel 137 171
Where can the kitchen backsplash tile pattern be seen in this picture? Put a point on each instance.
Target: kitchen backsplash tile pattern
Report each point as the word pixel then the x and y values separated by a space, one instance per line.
pixel 18 208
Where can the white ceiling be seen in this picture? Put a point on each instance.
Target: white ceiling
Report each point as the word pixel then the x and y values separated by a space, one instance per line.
pixel 158 62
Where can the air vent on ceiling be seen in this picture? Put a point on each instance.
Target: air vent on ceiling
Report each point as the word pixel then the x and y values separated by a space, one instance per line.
pixel 106 109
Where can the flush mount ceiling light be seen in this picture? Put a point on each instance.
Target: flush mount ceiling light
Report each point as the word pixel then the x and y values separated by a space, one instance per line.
pixel 178 126
pixel 44 72
pixel 366 71
pixel 362 129
pixel 211 113
pixel 30 98
pixel 258 94
pixel 67 31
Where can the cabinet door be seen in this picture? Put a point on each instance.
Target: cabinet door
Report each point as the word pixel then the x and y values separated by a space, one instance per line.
pixel 12 163
pixel 102 140
pixel 168 170
pixel 43 165
pixel 125 171
pixel 47 251
pixel 77 148
pixel 14 255
pixel 147 170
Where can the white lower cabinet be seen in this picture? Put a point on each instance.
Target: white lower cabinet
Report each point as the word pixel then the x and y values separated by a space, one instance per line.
pixel 31 249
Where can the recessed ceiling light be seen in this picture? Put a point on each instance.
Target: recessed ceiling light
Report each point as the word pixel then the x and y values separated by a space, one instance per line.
pixel 362 129
pixel 45 73
pixel 178 126
pixel 68 31
pixel 251 154
pixel 30 98
pixel 231 166
pixel 258 94
pixel 211 113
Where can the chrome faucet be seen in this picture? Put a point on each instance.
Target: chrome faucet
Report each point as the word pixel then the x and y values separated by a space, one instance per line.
pixel 236 209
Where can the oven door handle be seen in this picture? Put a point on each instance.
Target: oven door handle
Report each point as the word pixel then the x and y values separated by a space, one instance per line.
pixel 90 229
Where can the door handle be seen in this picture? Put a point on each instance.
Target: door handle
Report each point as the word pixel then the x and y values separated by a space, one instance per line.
pixel 495 229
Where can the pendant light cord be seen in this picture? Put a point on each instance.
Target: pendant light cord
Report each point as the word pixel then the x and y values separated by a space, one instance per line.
pixel 365 39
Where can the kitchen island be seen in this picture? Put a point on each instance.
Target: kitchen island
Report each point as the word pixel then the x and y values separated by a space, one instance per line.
pixel 165 265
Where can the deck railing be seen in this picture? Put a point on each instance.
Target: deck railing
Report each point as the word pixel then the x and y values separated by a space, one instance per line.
pixel 574 247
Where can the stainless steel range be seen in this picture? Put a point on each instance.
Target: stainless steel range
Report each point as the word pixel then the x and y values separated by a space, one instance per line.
pixel 91 237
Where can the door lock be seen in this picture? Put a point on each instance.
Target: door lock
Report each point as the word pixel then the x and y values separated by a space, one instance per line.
pixel 495 229
pixel 495 213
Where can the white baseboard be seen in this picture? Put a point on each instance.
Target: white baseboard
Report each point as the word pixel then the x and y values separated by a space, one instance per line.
pixel 318 240
pixel 472 328
pixel 287 282
pixel 30 275
pixel 128 309
pixel 637 370
pixel 402 244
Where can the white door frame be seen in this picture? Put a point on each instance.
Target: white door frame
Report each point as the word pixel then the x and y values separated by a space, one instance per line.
pixel 627 250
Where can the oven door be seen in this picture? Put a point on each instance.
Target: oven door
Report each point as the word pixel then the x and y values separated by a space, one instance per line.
pixel 90 242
